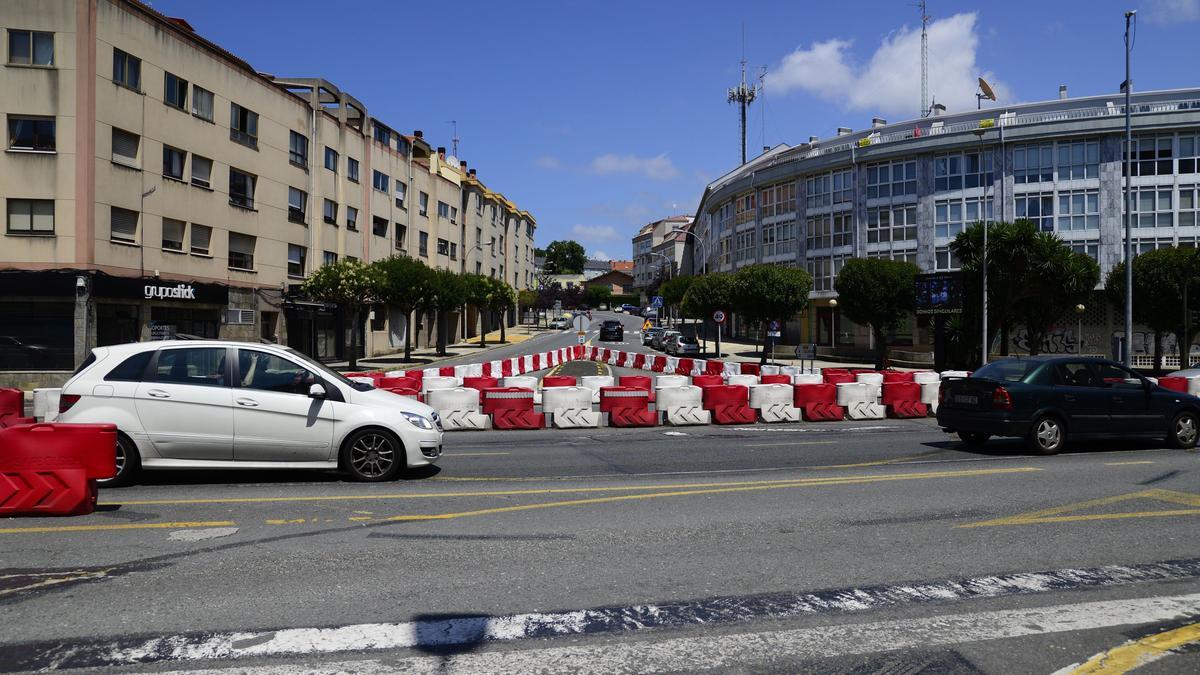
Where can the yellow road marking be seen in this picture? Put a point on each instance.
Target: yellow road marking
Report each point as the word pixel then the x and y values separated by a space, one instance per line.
pixel 543 491
pixel 1135 653
pixel 473 454
pixel 1056 514
pixel 807 482
pixel 283 521
pixel 123 526
pixel 1140 461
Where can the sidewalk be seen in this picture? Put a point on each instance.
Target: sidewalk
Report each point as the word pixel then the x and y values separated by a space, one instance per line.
pixel 423 357
pixel 742 351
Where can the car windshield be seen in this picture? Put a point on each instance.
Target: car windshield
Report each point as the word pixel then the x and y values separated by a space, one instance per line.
pixel 330 373
pixel 1010 370
pixel 687 340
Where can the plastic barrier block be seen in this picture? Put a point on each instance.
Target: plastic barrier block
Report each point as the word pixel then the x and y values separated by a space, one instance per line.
pixel 479 384
pixel 12 402
pixel 823 412
pixel 398 383
pixel 833 370
pixel 743 380
pixel 46 492
pixel 659 365
pixel 508 418
pixel 750 369
pixel 906 409
pixel 446 371
pixel 632 417
pixel 836 376
pixel 682 405
pixel 714 367
pixel 864 410
pixel 707 380
pixel 639 361
pixel 612 398
pixel 774 402
pixel 11 420
pixel 507 398
pixel 770 369
pixel 897 376
pixel 638 381
pixel 1179 384
pixel 728 404
pixel 686 367
pixel 669 381
pixel 807 378
pixel 558 381
pixel 775 379
pixel 807 394
pixel 899 392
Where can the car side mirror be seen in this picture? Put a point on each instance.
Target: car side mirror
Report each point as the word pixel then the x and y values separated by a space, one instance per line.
pixel 316 391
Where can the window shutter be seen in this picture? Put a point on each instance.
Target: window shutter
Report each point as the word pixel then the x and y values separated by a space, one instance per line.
pixel 125 146
pixel 124 224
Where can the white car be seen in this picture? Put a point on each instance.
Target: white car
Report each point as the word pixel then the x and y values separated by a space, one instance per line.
pixel 231 405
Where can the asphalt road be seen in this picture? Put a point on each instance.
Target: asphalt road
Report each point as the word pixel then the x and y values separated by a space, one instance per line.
pixel 839 547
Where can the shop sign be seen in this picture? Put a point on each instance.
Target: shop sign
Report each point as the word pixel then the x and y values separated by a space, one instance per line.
pixel 162 331
pixel 176 292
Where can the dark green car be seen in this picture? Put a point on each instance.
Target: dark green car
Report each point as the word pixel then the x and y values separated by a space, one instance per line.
pixel 1046 399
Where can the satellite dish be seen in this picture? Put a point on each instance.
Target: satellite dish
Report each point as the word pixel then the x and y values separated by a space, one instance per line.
pixel 987 90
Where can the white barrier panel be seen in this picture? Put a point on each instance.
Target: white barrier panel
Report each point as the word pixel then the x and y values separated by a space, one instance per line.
pixel 732 369
pixel 515 364
pixel 594 382
pixel 875 382
pixel 699 367
pixel 769 370
pixel 744 380
pixel 629 357
pixel 432 372
pixel 682 406
pixel 791 370
pixel 664 381
pixel 392 373
pixel 458 408
pixel 570 407
pixel 529 364
pixel 859 401
pixel 474 370
pixel 429 383
pixel 1193 386
pixel 774 402
pixel 926 376
pixel 1152 379
pixel 45 404
pixel 525 382
pixel 807 378
pixel 497 369
pixel 929 394
pixel 614 357
pixel 462 371
pixel 360 378
pixel 672 363
pixel 954 373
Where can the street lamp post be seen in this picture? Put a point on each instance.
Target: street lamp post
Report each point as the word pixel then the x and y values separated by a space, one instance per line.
pixel 1128 202
pixel 700 241
pixel 983 212
pixel 1079 310
pixel 833 324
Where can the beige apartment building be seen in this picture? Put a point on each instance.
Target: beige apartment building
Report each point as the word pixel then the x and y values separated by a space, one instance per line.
pixel 155 185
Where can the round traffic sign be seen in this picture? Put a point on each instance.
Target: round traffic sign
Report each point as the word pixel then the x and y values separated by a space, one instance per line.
pixel 719 316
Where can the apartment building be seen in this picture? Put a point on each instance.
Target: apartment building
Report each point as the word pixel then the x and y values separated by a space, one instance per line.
pixel 658 249
pixel 156 185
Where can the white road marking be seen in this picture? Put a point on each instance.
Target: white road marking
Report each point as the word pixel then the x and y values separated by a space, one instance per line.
pixel 201 534
pixel 674 433
pixel 749 649
pixel 810 429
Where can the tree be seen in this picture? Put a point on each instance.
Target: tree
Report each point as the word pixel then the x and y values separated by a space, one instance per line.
pixel 477 291
pixel 707 294
pixel 349 284
pixel 1166 283
pixel 597 295
pixel 765 292
pixel 879 293
pixel 501 299
pixel 673 290
pixel 564 257
pixel 447 293
pixel 1072 276
pixel 405 285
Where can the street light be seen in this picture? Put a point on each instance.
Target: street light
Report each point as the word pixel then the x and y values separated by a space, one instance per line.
pixel 1128 202
pixel 983 212
pixel 1079 310
pixel 699 240
pixel 833 323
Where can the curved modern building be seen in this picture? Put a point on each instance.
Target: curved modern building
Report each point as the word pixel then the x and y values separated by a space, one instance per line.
pixel 903 191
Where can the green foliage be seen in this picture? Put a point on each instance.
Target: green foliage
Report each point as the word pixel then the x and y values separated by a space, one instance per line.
pixel 1159 280
pixel 765 292
pixel 527 298
pixel 707 294
pixel 673 290
pixel 501 296
pixel 595 296
pixel 564 257
pixel 447 290
pixel 878 293
pixel 405 282
pixel 348 283
pixel 476 289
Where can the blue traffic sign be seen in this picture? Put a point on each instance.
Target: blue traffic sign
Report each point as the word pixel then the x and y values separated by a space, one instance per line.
pixel 656 301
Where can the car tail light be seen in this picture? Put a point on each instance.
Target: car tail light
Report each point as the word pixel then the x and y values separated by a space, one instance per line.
pixel 941 395
pixel 1001 399
pixel 66 401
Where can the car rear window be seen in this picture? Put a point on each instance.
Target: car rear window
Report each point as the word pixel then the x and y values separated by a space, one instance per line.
pixel 91 358
pixel 687 340
pixel 131 369
pixel 1008 371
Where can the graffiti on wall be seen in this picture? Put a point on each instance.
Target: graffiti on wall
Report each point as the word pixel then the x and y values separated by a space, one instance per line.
pixel 1057 341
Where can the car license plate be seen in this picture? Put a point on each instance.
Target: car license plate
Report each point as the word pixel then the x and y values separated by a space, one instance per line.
pixel 963 398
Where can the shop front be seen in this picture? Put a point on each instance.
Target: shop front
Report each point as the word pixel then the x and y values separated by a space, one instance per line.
pixel 131 309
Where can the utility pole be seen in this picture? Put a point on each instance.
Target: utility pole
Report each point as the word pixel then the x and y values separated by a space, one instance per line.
pixel 924 60
pixel 454 137
pixel 743 95
pixel 1128 360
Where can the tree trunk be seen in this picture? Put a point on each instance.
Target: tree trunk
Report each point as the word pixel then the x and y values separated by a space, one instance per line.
pixel 1157 352
pixel 408 329
pixel 503 322
pixel 353 349
pixel 1004 339
pixel 482 327
pixel 441 329
pixel 880 349
pixel 1035 342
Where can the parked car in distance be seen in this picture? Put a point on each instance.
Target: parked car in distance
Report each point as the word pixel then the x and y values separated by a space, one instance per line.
pixel 612 331
pixel 680 345
pixel 661 341
pixel 626 307
pixel 560 323
pixel 649 313
pixel 1048 399
pixel 232 405
pixel 649 333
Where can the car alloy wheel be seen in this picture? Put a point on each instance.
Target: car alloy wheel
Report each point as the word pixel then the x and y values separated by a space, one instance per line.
pixel 1047 436
pixel 372 455
pixel 128 463
pixel 1185 430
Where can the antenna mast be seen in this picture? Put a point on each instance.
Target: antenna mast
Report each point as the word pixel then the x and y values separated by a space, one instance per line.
pixel 924 60
pixel 743 95
pixel 454 137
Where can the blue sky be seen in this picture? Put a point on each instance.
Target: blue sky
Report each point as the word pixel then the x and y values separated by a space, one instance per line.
pixel 598 117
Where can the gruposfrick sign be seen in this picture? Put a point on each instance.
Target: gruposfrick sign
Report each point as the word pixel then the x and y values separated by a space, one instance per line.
pixel 133 288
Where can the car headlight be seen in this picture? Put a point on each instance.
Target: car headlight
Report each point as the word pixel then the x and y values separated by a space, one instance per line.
pixel 418 421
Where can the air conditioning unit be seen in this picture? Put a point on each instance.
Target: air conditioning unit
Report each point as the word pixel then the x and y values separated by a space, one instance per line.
pixel 240 317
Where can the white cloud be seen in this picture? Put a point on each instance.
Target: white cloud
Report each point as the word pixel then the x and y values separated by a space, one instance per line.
pixel 599 255
pixel 548 162
pixel 889 83
pixel 656 168
pixel 1172 11
pixel 595 233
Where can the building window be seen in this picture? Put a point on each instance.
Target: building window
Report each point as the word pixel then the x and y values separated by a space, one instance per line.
pixel 172 234
pixel 1033 163
pixel 945 260
pixel 962 170
pixel 352 169
pixel 31 216
pixel 1078 160
pixel 330 215
pixel 401 237
pixel 744 208
pixel 241 188
pixel 383 134
pixel 243 125
pixel 745 245
pixel 423 244
pixel 30 48
pixel 1090 247
pixel 843 229
pixel 1152 208
pixel 202 103
pixel 1189 149
pixel 478 237
pixel 37 134
pixel 297 255
pixel 423 203
pixel 1189 203
pixel 478 267
pixel 817 233
pixel 175 90
pixel 951 216
pixel 125 147
pixel 201 237
pixel 1078 210
pixel 173 161
pixel 443 247
pixel 127 70
pixel 453 251
pixel 1038 208
pixel 443 210
pixel 380 181
pixel 454 214
pixel 824 271
pixel 241 251
pixel 331 159
pixel 298 149
pixel 379 226
pixel 201 171
pixel 817 191
pixel 297 205
pixel 891 224
pixel 908 255
pixel 891 179
pixel 401 193
pixel 478 204
pixel 123 225
pixel 328 258
pixel 351 218
pixel 1148 244
pixel 1152 156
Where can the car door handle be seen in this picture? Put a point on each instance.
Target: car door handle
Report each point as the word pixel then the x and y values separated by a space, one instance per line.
pixel 248 402
pixel 1069 397
pixel 157 393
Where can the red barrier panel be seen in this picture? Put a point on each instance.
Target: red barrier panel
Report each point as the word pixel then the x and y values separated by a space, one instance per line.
pixel 480 383
pixel 858 371
pixel 659 364
pixel 418 375
pixel 903 399
pixel 833 370
pixel 51 469
pixel 712 367
pixel 686 366
pixel 750 369
pixel 818 402
pixel 505 369
pixel 897 376
pixel 707 380
pixel 837 377
pixel 446 371
pixel 578 350
pixel 406 391
pixel 398 383
pixel 558 381
pixel 728 403
pixel 512 408
pixel 643 382
pixel 639 361
pixel 777 378
pixel 11 420
pixel 12 401
pixel 627 407
pixel 1173 383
